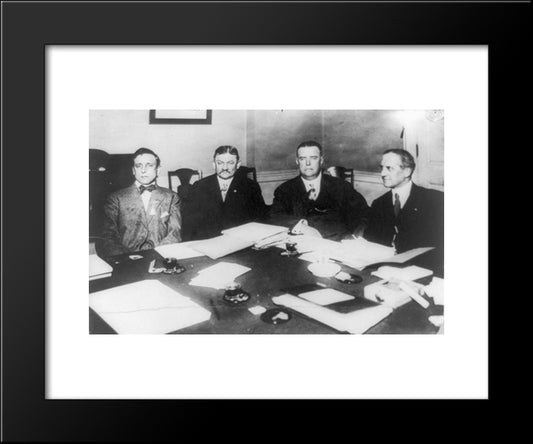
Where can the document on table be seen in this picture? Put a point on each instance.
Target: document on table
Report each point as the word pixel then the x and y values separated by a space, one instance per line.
pixel 179 250
pixel 366 251
pixel 98 268
pixel 407 255
pixel 146 307
pixel 219 275
pixel 220 246
pixel 356 322
pixel 411 273
pixel 356 253
pixel 255 231
pixel 325 296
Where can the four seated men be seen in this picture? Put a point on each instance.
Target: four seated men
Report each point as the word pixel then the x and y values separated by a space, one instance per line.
pixel 144 215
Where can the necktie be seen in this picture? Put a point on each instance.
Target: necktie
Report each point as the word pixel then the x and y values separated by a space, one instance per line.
pixel 311 194
pixel 143 188
pixel 397 205
pixel 224 189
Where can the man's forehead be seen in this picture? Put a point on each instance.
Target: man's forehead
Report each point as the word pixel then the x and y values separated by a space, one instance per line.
pixel 309 151
pixel 391 159
pixel 226 157
pixel 144 158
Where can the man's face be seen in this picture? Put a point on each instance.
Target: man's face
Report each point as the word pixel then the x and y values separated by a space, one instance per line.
pixel 145 168
pixel 392 172
pixel 309 161
pixel 226 165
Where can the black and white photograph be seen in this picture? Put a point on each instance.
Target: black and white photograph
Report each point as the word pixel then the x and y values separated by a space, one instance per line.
pixel 293 213
pixel 271 201
pixel 266 222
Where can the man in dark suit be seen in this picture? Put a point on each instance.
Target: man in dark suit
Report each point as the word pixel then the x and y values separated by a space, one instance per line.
pixel 223 200
pixel 143 215
pixel 329 204
pixel 408 216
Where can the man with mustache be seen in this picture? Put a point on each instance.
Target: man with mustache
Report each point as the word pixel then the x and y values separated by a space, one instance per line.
pixel 143 215
pixel 329 204
pixel 222 200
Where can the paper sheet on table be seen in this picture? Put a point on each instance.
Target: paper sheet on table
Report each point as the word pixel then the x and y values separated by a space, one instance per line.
pixel 411 273
pixel 407 255
pixel 255 231
pixel 325 296
pixel 367 251
pixel 98 268
pixel 356 322
pixel 218 275
pixel 221 245
pixel 356 253
pixel 181 250
pixel 435 290
pixel 146 307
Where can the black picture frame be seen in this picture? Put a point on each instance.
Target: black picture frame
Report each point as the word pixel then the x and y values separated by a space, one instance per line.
pixel 154 120
pixel 27 416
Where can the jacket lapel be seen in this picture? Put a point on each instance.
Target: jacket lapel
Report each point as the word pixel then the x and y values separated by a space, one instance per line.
pixel 153 205
pixel 214 189
pixel 137 202
pixel 411 204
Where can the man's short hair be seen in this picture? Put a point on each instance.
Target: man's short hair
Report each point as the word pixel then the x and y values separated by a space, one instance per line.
pixel 405 157
pixel 309 143
pixel 226 149
pixel 143 150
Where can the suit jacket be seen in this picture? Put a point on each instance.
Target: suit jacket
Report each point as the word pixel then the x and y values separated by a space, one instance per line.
pixel 205 214
pixel 338 209
pixel 420 223
pixel 128 227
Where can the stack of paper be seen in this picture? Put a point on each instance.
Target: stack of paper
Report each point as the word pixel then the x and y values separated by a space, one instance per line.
pixel 146 307
pixel 98 268
pixel 356 253
pixel 220 246
pixel 237 238
pixel 254 231
pixel 182 250
pixel 356 322
pixel 219 275
pixel 411 273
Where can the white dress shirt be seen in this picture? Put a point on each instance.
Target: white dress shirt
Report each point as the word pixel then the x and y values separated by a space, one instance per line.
pixel 224 185
pixel 313 185
pixel 403 192
pixel 145 196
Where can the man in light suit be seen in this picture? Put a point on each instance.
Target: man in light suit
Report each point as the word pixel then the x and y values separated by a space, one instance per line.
pixel 223 200
pixel 329 204
pixel 408 216
pixel 143 215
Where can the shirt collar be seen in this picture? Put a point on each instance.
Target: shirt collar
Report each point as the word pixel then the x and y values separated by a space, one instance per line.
pixel 138 184
pixel 224 181
pixel 315 182
pixel 403 192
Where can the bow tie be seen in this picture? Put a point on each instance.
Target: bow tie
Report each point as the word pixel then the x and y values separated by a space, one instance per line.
pixel 143 188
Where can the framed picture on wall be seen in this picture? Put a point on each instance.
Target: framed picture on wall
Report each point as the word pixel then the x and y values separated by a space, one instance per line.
pixel 56 370
pixel 180 117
